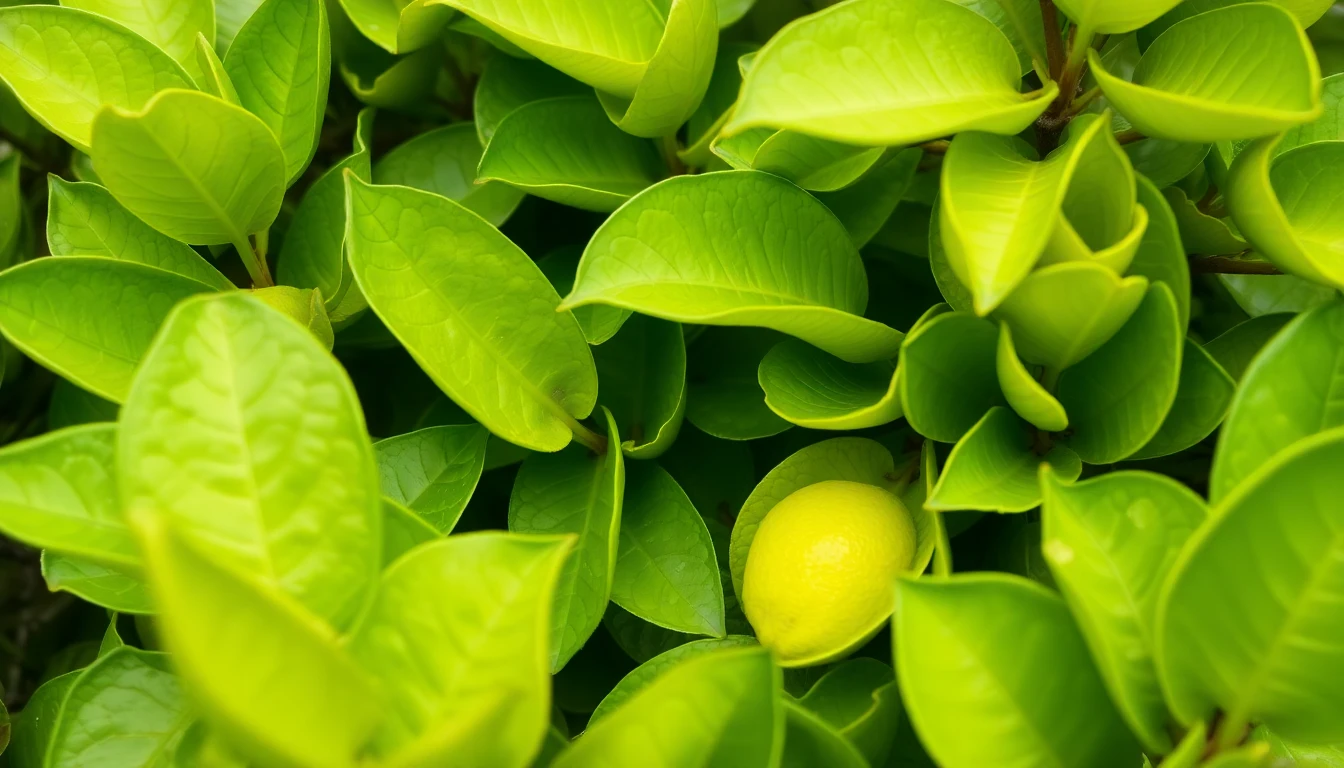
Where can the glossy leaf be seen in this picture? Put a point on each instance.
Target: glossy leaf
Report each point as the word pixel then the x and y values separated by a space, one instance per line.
pixel 703 126
pixel 171 25
pixel 805 386
pixel 419 258
pixel 117 589
pixel 1027 397
pixel 508 83
pixel 994 467
pixel 598 322
pixel 649 671
pixel 1203 395
pixel 993 671
pixel 866 205
pixel 576 492
pixel 403 530
pixel 643 373
pixel 1110 543
pixel 809 740
pixel 657 256
pixel 42 59
pixel 444 161
pixel 948 375
pixel 858 698
pixel 1162 255
pixel 244 433
pixel 1237 347
pixel 803 81
pixel 1101 17
pixel 399 27
pixel 212 77
pixel 811 163
pixel 55 310
pixel 433 472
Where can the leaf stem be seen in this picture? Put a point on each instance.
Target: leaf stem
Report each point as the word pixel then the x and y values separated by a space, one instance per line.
pixel 1129 136
pixel 1231 264
pixel 594 442
pixel 1079 104
pixel 937 147
pixel 254 259
pixel 669 147
pixel 1054 47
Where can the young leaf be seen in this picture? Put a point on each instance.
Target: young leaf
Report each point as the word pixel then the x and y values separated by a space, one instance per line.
pixel 656 256
pixel 805 386
pixel 115 588
pixel 994 467
pixel 434 471
pixel 241 431
pixel 1110 543
pixel 43 58
pixel 85 220
pixel 576 492
pixel 1203 396
pixel 948 375
pixel 230 15
pixel 399 26
pixel 444 161
pixel 677 75
pixel 212 78
pixel 814 164
pixel 1105 18
pixel 643 375
pixel 56 312
pixel 508 83
pixel 517 366
pixel 649 671
pixel 1027 397
pixel 171 25
pixel 1180 90
pixel 898 92
pixel 280 64
pixel 1247 623
pixel 195 168
pixel 455 656
pixel 993 671
pixel 665 568
pixel 720 709
pixel 566 150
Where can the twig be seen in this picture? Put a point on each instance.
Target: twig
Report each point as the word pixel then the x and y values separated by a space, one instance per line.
pixel 1054 47
pixel 1231 264
pixel 1129 136
pixel 668 147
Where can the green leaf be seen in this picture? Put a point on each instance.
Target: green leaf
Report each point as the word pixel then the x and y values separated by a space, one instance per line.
pixel 233 638
pixel 59 491
pixel 457 656
pixel 213 79
pixel 43 59
pixel 811 163
pixel 117 589
pixel 666 573
pixel 244 434
pixel 33 727
pixel 650 671
pixel 643 375
pixel 656 255
pixel 71 406
pixel 399 26
pixel 1203 396
pixel 574 491
pixel 805 386
pixel 280 64
pixel 125 709
pixel 1119 396
pixel 1237 347
pixel 1180 90
pixel 1024 393
pixel 513 363
pixel 85 220
pixel 599 323
pixel 1105 18
pixel 948 375
pixel 444 161
pixel 1328 127
pixel 1020 22
pixel 56 310
pixel 810 741
pixel 1247 622
pixel 899 92
pixel 858 698
pixel 724 398
pixel 954 292
pixel 994 467
pixel 229 18
pixel 401 84
pixel 717 475
pixel 508 83
pixel 434 471
pixel 1308 12
pixel 195 168
pixel 566 150
pixel 1200 232
pixel 1110 543
pixel 703 126
pixel 994 672
pixel 1285 210
pixel 1259 295
pixel 1161 255
pixel 171 25
pixel 403 530
pixel 12 211
pixel 1290 391
pixel 722 709
pixel 866 205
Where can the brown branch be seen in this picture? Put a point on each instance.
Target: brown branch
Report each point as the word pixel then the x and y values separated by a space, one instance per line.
pixel 938 147
pixel 1129 136
pixel 1054 47
pixel 1232 264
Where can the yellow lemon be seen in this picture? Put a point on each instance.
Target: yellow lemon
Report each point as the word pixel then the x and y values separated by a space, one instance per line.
pixel 821 570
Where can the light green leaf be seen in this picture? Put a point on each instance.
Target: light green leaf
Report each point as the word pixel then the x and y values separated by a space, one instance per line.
pixel 1180 90
pixel 65 65
pixel 703 126
pixel 574 491
pixel 444 161
pixel 994 672
pixel 1308 12
pixel 171 25
pixel 811 163
pixel 1161 255
pixel 244 434
pixel 1287 211
pixel 1020 22
pixel 232 638
pixel 643 375
pixel 948 375
pixel 1200 232
pixel 1099 220
pixel 56 311
pixel 649 671
pixel 117 589
pixel 1110 543
pixel 1118 398
pixel 899 92
pixel 1328 127
pixel 566 150
pixel 125 709
pixel 280 64
pixel 721 709
pixel 399 26
pixel 954 292
pixel 1290 391
pixel 866 205
pixel 858 698
pixel 598 322
pixel 1248 623
pixel 810 741
pixel 85 220
pixel 195 168
pixel 516 365
pixel 805 386
pixel 724 396
pixel 229 18
pixel 656 255
pixel 402 84
pixel 1259 295
pixel 1203 396
pixel 1063 313
pixel 508 83
pixel 1237 347
pixel 433 471
pixel 403 530
pixel 1109 18
pixel 666 573
pixel 1024 393
pixel 212 78
pixel 59 491
pixel 489 641
pixel 994 467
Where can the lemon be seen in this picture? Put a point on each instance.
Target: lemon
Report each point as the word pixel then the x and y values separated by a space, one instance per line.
pixel 821 570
